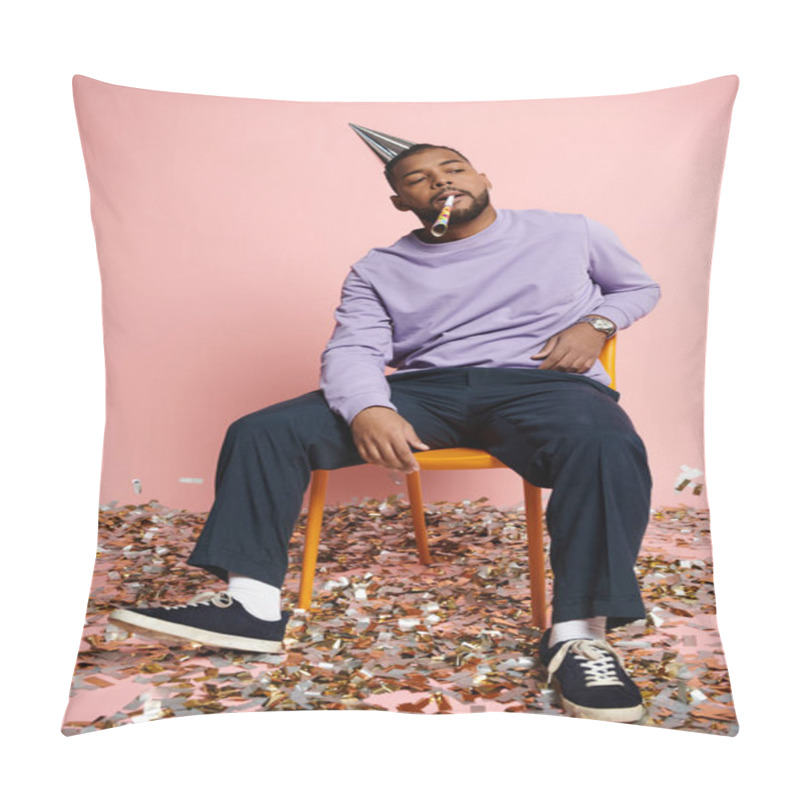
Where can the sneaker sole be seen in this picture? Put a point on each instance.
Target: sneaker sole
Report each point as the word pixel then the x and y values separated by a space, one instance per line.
pixel 171 631
pixel 632 714
pixel 629 714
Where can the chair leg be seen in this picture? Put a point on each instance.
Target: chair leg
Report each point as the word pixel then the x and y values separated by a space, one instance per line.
pixel 316 505
pixel 414 485
pixel 533 520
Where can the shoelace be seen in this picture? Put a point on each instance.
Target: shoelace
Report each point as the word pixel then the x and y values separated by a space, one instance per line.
pixel 219 599
pixel 599 661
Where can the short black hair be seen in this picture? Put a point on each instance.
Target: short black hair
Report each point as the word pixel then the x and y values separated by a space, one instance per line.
pixel 415 148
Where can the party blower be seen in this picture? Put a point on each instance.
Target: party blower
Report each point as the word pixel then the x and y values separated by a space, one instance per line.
pixel 443 220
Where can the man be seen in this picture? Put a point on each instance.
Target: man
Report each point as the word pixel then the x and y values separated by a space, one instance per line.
pixel 494 328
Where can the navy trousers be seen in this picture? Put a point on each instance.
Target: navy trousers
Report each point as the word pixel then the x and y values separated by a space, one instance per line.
pixel 557 430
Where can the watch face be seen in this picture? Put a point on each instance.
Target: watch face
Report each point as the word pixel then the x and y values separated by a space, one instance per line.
pixel 602 325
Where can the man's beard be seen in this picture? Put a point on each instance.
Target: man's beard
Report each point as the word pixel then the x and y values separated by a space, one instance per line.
pixel 427 216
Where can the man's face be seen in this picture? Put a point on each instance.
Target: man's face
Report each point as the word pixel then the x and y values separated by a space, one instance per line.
pixel 425 179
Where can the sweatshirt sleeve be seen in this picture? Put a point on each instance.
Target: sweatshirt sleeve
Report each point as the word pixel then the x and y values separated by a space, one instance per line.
pixel 353 362
pixel 628 292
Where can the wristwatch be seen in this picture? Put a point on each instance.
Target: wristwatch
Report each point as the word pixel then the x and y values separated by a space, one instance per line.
pixel 600 324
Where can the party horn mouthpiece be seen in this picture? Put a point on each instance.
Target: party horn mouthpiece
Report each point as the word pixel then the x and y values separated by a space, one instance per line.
pixel 443 220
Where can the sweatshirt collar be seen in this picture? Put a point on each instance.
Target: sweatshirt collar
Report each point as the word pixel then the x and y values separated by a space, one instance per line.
pixel 489 232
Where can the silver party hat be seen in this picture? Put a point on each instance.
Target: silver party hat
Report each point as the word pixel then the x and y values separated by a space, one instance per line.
pixel 384 146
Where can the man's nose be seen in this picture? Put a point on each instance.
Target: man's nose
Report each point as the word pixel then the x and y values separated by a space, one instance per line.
pixel 441 180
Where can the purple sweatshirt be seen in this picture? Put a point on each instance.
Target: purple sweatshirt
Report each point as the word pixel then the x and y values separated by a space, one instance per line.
pixel 490 300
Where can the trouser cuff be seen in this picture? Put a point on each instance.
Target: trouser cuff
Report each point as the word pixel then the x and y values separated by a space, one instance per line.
pixel 620 610
pixel 220 563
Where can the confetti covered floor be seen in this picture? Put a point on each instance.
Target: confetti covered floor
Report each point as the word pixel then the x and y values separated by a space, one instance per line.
pixel 388 634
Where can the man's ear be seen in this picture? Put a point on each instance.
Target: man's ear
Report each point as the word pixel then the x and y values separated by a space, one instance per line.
pixel 398 203
pixel 488 182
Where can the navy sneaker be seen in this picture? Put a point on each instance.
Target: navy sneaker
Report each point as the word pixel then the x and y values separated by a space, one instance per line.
pixel 211 618
pixel 591 679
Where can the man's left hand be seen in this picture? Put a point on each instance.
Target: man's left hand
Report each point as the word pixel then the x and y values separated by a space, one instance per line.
pixel 575 349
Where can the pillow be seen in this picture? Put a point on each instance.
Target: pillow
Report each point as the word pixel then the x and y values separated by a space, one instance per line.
pixel 225 228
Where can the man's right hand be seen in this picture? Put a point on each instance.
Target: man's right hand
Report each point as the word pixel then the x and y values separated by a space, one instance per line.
pixel 384 438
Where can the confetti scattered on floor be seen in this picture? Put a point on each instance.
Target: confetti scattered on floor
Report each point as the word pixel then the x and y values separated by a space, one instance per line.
pixel 387 633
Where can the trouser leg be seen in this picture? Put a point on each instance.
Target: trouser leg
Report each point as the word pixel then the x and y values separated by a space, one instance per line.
pixel 568 433
pixel 265 466
pixel 263 470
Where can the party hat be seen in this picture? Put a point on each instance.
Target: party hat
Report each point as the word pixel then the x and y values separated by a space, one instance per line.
pixel 384 146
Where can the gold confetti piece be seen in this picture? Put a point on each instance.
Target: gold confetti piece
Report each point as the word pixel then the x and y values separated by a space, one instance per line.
pixel 96 680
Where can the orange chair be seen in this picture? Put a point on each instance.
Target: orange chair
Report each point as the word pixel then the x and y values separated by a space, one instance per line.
pixel 448 458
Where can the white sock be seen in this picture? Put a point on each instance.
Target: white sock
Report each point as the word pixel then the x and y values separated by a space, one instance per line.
pixel 592 628
pixel 260 599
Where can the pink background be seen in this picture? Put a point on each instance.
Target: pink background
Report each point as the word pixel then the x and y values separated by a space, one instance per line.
pixel 226 226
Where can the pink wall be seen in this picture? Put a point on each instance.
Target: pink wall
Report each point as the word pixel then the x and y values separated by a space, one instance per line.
pixel 226 226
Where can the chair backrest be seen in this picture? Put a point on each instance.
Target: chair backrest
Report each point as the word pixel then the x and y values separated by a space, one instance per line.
pixel 608 358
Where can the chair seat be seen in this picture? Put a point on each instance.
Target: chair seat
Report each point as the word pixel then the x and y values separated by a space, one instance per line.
pixel 457 458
